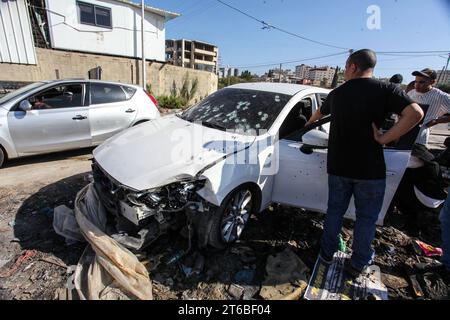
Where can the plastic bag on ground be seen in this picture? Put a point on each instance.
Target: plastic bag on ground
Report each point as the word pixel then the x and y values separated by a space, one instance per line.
pixel 106 270
pixel 65 224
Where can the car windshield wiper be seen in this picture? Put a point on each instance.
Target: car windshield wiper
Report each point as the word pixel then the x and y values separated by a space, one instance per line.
pixel 214 125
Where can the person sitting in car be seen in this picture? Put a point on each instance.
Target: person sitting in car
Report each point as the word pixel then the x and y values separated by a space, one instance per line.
pixel 39 103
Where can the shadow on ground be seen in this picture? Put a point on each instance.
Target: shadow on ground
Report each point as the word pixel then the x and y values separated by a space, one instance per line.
pixel 33 224
pixel 57 156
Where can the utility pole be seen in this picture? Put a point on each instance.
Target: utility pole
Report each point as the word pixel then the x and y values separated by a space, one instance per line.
pixel 144 71
pixel 279 77
pixel 444 70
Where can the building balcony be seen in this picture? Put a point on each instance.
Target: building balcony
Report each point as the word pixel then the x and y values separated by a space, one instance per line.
pixel 205 52
pixel 210 63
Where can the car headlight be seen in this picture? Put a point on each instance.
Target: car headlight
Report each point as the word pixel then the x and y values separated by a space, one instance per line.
pixel 171 196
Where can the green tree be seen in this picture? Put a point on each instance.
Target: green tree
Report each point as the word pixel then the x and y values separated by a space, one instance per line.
pixel 246 75
pixel 173 90
pixel 335 78
pixel 188 89
pixel 444 87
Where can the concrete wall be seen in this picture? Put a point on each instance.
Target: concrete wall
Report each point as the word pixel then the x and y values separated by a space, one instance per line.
pixel 54 64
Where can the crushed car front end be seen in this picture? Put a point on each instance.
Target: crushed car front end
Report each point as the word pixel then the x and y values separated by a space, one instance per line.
pixel 137 218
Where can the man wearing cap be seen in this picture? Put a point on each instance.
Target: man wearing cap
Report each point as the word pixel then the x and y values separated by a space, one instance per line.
pixel 437 100
pixel 396 79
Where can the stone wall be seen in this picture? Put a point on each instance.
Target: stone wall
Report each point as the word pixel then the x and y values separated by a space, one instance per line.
pixel 56 64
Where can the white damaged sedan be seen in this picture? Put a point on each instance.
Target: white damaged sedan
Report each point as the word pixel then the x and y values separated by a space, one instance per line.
pixel 230 156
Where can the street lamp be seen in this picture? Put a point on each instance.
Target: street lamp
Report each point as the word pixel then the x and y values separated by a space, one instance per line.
pixel 144 75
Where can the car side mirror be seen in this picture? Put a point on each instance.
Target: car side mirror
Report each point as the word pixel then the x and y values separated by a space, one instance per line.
pixel 25 105
pixel 314 139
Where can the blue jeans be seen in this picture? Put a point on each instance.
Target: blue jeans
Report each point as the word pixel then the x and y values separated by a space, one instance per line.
pixel 369 195
pixel 445 231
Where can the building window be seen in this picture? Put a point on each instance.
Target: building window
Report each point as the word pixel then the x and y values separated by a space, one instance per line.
pixel 94 15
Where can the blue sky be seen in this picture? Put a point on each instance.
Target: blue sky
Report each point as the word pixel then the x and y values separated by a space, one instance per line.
pixel 406 25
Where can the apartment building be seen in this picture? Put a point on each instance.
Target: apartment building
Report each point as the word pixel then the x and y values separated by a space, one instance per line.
pixel 317 75
pixel 302 71
pixel 228 72
pixel 192 54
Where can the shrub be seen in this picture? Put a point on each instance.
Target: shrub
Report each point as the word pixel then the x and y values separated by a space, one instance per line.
pixel 171 102
pixel 445 87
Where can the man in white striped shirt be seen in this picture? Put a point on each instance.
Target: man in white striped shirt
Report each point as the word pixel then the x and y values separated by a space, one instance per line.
pixel 437 100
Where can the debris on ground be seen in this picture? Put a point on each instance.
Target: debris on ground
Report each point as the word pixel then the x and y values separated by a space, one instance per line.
pixel 428 250
pixel 25 256
pixel 286 277
pixel 234 273
pixel 331 282
pixel 435 287
pixel 393 281
pixel 106 270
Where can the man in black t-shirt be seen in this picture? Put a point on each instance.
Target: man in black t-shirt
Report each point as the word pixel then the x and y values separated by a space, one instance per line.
pixel 355 153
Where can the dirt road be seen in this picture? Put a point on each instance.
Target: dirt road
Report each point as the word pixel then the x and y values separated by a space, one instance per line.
pixel 29 190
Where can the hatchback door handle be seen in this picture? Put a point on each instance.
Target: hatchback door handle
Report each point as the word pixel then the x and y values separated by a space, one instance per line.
pixel 79 117
pixel 130 110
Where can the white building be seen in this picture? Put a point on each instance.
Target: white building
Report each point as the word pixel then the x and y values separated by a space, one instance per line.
pixel 110 27
pixel 228 72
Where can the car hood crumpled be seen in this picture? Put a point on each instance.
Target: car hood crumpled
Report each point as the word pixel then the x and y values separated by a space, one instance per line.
pixel 165 150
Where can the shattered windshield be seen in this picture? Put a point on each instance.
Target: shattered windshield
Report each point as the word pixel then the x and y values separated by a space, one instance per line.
pixel 239 110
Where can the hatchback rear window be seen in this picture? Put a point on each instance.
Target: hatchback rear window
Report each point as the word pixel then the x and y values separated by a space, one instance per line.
pixel 129 91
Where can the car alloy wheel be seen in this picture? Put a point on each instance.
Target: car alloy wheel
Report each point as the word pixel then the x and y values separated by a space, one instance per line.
pixel 236 215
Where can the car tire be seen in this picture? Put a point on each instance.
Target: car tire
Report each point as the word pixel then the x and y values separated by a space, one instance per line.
pixel 2 157
pixel 231 217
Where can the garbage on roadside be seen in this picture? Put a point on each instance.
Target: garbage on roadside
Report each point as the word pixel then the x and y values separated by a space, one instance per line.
pixel 244 276
pixel 342 246
pixel 422 248
pixel 65 224
pixel 25 256
pixel 331 282
pixel 286 277
pixel 106 270
pixel 193 264
pixel 434 286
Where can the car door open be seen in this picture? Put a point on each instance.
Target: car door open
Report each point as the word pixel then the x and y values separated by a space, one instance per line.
pixel 302 180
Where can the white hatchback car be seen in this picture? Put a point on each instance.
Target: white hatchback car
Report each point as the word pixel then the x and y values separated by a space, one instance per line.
pixel 233 154
pixel 58 115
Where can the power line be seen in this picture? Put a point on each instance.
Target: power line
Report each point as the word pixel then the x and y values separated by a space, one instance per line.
pixel 293 61
pixel 266 25
pixel 412 52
